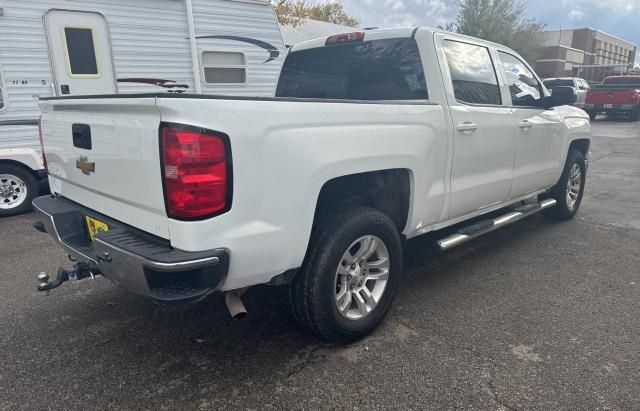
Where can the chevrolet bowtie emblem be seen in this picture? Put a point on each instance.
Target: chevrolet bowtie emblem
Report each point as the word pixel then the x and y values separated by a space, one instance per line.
pixel 85 165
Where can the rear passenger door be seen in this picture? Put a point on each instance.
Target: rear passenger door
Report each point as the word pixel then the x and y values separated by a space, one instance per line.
pixel 539 131
pixel 484 142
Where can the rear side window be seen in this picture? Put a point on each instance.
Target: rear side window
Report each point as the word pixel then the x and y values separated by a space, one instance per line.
pixel 81 51
pixel 630 80
pixel 472 73
pixel 388 69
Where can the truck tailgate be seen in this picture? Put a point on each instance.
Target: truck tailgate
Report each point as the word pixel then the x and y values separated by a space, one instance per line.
pixel 612 96
pixel 104 153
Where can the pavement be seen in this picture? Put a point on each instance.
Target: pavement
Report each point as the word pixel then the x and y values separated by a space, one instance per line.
pixel 538 315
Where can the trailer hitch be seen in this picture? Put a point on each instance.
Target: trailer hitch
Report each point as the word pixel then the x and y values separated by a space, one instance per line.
pixel 79 271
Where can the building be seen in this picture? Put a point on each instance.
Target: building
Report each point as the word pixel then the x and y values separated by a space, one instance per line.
pixel 311 29
pixel 586 52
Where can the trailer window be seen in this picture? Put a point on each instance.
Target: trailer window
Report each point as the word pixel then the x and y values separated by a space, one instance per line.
pixel 223 67
pixel 388 69
pixel 81 51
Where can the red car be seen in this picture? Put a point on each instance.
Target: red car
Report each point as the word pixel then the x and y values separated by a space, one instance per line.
pixel 617 95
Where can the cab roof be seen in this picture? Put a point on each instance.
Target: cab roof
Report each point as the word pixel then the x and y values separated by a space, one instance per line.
pixel 386 33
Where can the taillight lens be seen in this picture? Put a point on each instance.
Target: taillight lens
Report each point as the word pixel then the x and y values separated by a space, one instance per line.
pixel 195 171
pixel 44 158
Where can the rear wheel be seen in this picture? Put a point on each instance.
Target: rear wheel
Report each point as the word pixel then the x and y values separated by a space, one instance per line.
pixel 592 115
pixel 569 190
pixel 18 187
pixel 349 277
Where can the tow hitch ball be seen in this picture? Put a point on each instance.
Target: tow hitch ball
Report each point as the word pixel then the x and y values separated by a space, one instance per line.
pixel 79 271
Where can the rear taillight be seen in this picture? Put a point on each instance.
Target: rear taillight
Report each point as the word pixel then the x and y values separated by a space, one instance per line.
pixel 196 172
pixel 345 38
pixel 44 158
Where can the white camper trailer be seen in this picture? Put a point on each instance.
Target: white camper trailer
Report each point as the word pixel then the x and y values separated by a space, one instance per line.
pixel 77 47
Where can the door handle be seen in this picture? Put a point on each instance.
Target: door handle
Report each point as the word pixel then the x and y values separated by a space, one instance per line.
pixel 467 127
pixel 526 125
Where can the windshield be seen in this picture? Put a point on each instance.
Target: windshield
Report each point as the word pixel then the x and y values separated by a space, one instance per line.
pixel 549 84
pixel 388 69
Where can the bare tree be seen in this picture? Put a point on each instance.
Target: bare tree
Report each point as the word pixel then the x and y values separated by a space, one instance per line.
pixel 293 12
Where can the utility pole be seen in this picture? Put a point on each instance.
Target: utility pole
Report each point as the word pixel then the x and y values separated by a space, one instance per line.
pixel 559 44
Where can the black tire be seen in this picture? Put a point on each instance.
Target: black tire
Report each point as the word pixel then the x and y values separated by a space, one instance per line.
pixel 563 210
pixel 592 115
pixel 313 291
pixel 17 174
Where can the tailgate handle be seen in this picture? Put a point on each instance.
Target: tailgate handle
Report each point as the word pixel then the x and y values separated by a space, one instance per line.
pixel 81 136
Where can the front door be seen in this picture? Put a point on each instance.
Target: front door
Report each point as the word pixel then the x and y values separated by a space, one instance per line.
pixel 80 53
pixel 484 142
pixel 540 130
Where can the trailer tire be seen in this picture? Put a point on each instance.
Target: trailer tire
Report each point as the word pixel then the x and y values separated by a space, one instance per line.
pixel 18 188
pixel 340 294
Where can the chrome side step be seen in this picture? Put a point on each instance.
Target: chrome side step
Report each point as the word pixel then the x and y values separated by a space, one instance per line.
pixel 486 226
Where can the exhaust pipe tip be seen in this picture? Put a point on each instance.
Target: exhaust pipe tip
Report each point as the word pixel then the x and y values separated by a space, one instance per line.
pixel 236 307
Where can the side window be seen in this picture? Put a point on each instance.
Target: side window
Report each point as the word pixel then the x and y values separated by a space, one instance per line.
pixel 472 73
pixel 81 51
pixel 223 67
pixel 523 86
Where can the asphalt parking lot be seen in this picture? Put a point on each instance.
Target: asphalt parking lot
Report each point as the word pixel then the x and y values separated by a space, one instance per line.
pixel 538 315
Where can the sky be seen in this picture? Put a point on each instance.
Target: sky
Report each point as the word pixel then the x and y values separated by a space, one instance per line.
pixel 620 18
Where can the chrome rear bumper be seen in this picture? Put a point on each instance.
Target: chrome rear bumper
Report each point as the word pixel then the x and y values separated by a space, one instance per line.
pixel 139 262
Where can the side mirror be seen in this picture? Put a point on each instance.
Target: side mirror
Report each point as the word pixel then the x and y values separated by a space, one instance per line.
pixel 562 96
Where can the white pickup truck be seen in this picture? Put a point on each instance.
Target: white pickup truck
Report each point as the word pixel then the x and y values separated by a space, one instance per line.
pixel 373 138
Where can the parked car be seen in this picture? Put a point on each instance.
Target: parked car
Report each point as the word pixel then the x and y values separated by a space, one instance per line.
pixel 373 138
pixel 74 47
pixel 616 96
pixel 581 86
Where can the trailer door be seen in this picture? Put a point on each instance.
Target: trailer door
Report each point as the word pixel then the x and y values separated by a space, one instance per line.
pixel 80 53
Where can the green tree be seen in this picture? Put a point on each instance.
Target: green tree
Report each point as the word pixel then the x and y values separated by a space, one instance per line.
pixel 294 12
pixel 500 21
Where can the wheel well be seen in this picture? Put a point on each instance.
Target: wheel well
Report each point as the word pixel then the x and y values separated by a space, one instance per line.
pixel 385 190
pixel 19 164
pixel 581 145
